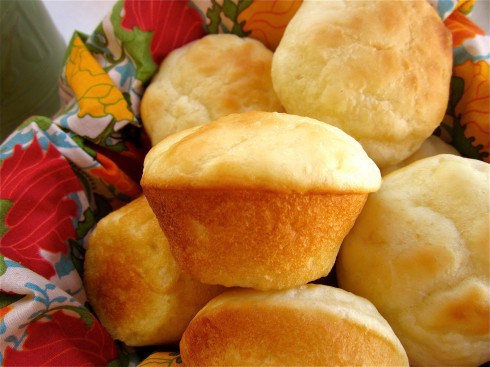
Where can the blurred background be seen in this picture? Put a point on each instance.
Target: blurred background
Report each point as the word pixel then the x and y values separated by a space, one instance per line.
pixel 80 15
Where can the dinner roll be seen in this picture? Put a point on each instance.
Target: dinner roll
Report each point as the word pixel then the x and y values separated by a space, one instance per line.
pixel 379 70
pixel 132 282
pixel 206 79
pixel 258 199
pixel 313 325
pixel 433 145
pixel 420 252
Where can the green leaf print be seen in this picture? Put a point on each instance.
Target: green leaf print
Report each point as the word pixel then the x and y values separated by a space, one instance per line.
pixel 214 16
pixel 457 90
pixel 137 44
pixel 7 299
pixel 231 9
pixel 4 208
pixel 42 122
pixel 462 143
pixel 3 266
pixel 85 315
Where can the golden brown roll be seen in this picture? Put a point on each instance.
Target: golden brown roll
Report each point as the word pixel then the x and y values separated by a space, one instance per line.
pixel 132 282
pixel 258 199
pixel 207 79
pixel 379 70
pixel 420 252
pixel 312 325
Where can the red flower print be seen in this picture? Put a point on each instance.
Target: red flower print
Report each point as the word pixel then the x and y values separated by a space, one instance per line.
pixel 40 215
pixel 462 28
pixel 174 23
pixel 63 340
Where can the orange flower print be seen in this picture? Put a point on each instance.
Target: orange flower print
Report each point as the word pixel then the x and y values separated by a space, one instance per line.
pixel 159 359
pixel 266 20
pixel 462 28
pixel 111 174
pixel 3 311
pixel 473 106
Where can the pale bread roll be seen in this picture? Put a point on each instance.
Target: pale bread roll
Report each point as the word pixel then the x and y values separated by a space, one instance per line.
pixel 207 79
pixel 420 252
pixel 258 199
pixel 433 145
pixel 132 282
pixel 379 70
pixel 313 325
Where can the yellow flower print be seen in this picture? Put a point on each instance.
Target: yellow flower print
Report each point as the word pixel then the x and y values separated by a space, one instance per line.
pixel 96 93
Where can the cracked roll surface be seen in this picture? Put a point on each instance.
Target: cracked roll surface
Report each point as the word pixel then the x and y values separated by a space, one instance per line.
pixel 312 325
pixel 365 66
pixel 258 199
pixel 207 79
pixel 133 283
pixel 420 252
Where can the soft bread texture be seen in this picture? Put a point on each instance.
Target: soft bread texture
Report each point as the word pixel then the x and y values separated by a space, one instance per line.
pixel 133 283
pixel 430 147
pixel 364 66
pixel 261 150
pixel 206 79
pixel 420 252
pixel 312 325
pixel 260 200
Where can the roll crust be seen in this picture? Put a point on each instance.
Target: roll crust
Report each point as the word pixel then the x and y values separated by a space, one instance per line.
pixel 312 325
pixel 258 199
pixel 253 238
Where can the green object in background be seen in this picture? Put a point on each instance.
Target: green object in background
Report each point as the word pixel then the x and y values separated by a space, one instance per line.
pixel 31 57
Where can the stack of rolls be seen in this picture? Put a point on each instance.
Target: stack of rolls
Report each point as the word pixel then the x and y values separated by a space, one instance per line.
pixel 260 176
pixel 263 200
